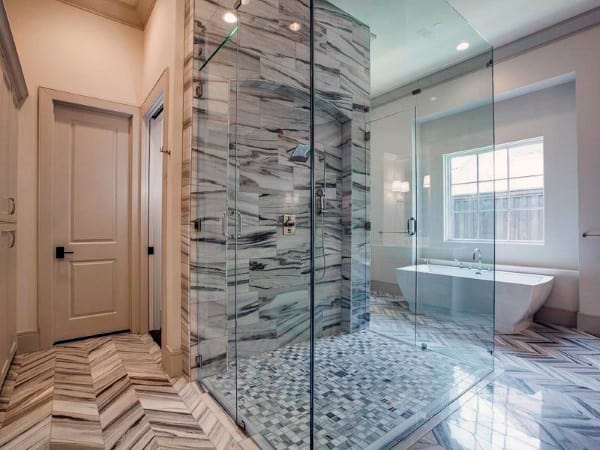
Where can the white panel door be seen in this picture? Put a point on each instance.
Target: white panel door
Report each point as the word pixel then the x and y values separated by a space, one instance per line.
pixel 91 219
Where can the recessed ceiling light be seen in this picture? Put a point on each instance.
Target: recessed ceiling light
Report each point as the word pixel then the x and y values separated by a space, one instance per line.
pixel 230 17
pixel 463 46
pixel 295 26
pixel 433 99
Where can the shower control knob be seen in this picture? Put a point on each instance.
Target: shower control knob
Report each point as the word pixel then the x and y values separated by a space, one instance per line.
pixel 289 224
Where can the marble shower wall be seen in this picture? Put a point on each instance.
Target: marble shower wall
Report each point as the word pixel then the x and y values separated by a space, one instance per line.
pixel 266 112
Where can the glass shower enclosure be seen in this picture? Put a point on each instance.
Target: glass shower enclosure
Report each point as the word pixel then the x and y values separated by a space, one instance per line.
pixel 339 296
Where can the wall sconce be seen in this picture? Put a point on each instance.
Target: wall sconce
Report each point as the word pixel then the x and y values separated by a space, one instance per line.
pixel 400 188
pixel 427 181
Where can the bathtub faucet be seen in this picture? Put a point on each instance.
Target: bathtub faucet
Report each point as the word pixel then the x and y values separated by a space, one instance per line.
pixel 477 257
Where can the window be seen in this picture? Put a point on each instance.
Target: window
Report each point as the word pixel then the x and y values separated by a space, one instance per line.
pixel 511 177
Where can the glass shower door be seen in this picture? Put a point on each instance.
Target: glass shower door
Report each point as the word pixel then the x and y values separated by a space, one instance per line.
pixel 393 224
pixel 269 209
pixel 455 187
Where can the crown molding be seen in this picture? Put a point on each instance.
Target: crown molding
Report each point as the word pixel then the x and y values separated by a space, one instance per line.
pixel 9 59
pixel 134 16
pixel 542 37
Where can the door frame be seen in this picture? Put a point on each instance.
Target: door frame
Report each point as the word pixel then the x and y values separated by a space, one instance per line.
pixel 158 96
pixel 48 98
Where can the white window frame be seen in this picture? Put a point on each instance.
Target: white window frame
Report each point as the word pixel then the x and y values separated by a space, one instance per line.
pixel 447 157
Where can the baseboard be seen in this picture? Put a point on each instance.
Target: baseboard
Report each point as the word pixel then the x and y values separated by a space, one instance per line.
pixel 28 342
pixel 557 316
pixel 172 361
pixel 589 324
pixel 8 362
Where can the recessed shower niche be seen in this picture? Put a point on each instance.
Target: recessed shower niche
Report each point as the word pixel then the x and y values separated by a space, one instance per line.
pixel 283 326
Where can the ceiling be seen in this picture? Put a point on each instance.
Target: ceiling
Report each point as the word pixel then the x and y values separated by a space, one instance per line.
pixel 134 13
pixel 414 38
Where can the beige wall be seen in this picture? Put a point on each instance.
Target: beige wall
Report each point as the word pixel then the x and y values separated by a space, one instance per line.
pixel 68 49
pixel 163 48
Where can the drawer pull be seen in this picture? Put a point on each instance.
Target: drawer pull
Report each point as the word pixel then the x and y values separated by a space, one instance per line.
pixel 12 206
pixel 13 238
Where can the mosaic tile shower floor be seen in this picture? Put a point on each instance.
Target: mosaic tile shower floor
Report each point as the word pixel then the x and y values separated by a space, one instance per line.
pixel 367 385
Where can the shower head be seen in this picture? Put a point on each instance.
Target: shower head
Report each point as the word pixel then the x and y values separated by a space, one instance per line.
pixel 301 153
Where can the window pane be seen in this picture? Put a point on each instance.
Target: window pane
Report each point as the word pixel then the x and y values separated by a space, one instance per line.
pixel 464 169
pixel 486 187
pixel 486 202
pixel 501 164
pixel 486 166
pixel 502 225
pixel 527 160
pixel 501 186
pixel 465 203
pixel 465 225
pixel 526 184
pixel 527 225
pixel 486 224
pixel 464 189
pixel 527 199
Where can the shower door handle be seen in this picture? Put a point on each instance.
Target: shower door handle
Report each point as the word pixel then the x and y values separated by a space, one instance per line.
pixel 411 226
pixel 239 214
pixel 224 224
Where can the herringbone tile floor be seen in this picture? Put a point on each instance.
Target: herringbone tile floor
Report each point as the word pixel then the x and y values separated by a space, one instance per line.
pixel 547 397
pixel 108 392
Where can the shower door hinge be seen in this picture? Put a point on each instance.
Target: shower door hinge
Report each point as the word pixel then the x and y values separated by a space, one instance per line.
pixel 367 136
pixel 199 89
pixel 199 361
pixel 490 63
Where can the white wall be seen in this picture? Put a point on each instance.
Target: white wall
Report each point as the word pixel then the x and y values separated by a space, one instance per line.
pixel 163 49
pixel 549 113
pixel 579 56
pixel 64 48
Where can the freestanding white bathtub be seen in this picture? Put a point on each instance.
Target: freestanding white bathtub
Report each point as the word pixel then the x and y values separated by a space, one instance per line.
pixel 518 296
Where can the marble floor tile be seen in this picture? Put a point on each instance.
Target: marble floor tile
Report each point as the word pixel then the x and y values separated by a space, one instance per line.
pixel 108 392
pixel 546 397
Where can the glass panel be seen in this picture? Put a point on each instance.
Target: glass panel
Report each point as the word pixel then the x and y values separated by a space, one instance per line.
pixel 212 276
pixel 455 279
pixel 273 210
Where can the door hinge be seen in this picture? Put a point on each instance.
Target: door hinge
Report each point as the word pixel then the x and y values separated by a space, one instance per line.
pixel 367 136
pixel 199 89
pixel 151 250
pixel 199 361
